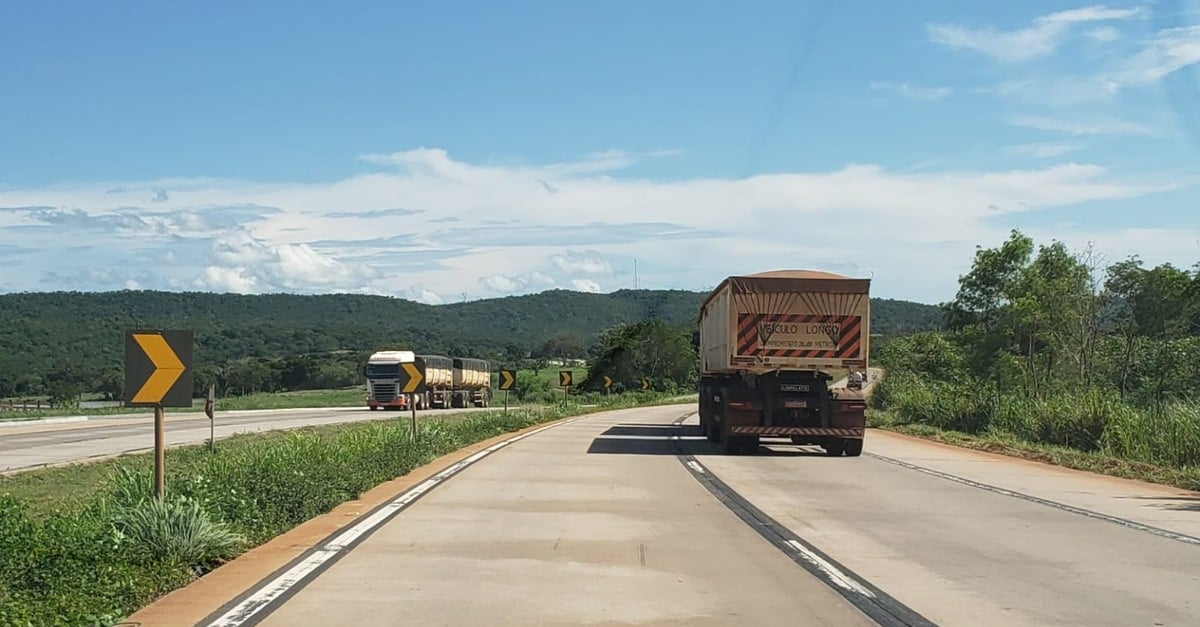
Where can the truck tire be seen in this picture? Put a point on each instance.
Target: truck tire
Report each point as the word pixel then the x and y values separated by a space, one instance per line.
pixel 740 445
pixel 854 447
pixel 834 447
pixel 712 432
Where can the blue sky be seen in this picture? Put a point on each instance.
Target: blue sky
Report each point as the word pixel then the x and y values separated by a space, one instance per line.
pixel 434 149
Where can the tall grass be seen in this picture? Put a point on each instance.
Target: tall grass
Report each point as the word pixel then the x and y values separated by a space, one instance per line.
pixel 1166 435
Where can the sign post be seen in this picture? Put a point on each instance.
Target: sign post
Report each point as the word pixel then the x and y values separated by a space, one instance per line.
pixel 564 381
pixel 412 383
pixel 508 379
pixel 607 385
pixel 212 423
pixel 158 374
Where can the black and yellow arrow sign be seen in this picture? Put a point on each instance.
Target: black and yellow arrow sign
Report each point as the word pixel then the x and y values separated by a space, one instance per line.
pixel 158 369
pixel 645 384
pixel 412 378
pixel 564 378
pixel 508 379
pixel 607 382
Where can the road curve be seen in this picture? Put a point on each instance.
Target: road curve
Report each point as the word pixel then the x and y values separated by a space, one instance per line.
pixel 32 446
pixel 565 528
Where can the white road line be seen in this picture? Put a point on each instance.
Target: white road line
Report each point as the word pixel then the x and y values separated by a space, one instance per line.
pixel 835 574
pixel 695 465
pixel 303 569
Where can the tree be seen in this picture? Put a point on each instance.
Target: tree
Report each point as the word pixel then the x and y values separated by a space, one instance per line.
pixel 651 349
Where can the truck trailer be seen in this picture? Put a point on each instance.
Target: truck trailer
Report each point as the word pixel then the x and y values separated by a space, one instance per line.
pixel 771 344
pixel 472 382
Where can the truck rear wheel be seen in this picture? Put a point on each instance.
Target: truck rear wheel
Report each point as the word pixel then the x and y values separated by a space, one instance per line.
pixel 740 445
pixel 834 447
pixel 854 447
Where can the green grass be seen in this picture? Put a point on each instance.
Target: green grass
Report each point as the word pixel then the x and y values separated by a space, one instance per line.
pixel 83 545
pixel 1187 478
pixel 1083 429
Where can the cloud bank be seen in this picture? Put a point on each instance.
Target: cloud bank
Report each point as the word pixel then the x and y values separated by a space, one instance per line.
pixel 421 224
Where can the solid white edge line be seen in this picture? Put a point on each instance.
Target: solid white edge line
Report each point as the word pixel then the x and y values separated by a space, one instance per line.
pixel 835 574
pixel 695 465
pixel 262 597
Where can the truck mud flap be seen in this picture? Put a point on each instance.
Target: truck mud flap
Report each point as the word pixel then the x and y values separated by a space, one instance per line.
pixel 841 432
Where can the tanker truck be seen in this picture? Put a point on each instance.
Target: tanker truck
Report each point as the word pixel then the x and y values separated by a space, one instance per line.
pixel 472 381
pixel 770 346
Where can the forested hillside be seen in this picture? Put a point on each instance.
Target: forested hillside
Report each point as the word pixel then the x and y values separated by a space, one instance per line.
pixel 64 343
pixel 1047 346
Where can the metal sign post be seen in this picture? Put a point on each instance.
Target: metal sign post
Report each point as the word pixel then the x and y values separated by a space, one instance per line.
pixel 160 452
pixel 158 374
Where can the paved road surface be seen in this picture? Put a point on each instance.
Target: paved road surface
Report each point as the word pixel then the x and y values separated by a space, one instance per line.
pixel 29 446
pixel 599 521
pixel 544 532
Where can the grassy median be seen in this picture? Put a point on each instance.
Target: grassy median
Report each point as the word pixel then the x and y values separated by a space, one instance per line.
pixel 88 544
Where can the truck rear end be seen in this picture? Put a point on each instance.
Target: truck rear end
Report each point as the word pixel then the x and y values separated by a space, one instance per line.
pixel 472 382
pixel 771 346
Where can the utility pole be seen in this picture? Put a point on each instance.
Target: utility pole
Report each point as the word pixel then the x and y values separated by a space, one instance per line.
pixel 635 274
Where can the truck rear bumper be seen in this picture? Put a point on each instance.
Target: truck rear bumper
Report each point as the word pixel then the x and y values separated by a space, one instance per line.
pixel 841 432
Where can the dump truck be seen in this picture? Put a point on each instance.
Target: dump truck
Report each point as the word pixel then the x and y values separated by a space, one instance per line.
pixel 472 382
pixel 439 381
pixel 771 345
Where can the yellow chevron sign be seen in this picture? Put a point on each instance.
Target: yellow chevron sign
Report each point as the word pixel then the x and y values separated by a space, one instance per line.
pixel 416 379
pixel 564 378
pixel 645 384
pixel 158 369
pixel 607 382
pixel 508 379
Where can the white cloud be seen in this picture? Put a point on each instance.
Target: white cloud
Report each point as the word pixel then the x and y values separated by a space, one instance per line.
pixel 1043 150
pixel 1061 91
pixel 1094 126
pixel 243 263
pixel 1167 52
pixel 1103 34
pixel 586 285
pixel 1039 39
pixel 582 262
pixel 911 92
pixel 915 230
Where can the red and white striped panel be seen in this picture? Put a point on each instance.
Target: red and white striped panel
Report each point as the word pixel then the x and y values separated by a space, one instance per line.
pixel 757 430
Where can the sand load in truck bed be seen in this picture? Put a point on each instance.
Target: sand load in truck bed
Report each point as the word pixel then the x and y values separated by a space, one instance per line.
pixel 472 374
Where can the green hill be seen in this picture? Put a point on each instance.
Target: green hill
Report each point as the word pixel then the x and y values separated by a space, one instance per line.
pixel 61 338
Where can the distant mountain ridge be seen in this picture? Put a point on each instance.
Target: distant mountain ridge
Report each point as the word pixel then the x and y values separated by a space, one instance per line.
pixel 81 333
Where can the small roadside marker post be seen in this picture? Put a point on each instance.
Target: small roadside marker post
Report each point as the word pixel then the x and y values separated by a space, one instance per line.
pixel 412 403
pixel 212 422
